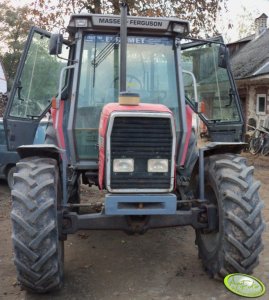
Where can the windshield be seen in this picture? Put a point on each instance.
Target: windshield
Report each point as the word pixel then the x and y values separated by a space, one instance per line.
pixel 151 72
pixel 215 92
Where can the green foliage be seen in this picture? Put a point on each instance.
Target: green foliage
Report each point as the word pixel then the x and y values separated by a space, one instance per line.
pixel 245 25
pixel 201 13
pixel 15 22
pixel 14 27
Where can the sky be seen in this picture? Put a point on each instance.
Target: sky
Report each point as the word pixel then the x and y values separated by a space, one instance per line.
pixel 235 9
pixel 232 16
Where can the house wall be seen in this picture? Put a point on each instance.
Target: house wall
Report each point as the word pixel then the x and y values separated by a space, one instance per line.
pixel 248 94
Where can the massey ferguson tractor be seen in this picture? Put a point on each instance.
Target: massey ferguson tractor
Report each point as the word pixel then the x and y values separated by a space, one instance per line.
pixel 121 93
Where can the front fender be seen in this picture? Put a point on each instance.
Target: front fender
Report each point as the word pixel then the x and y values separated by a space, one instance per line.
pixel 42 150
pixel 222 148
pixel 214 148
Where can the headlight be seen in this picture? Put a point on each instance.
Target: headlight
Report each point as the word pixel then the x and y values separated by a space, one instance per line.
pixel 81 22
pixel 181 28
pixel 158 165
pixel 123 165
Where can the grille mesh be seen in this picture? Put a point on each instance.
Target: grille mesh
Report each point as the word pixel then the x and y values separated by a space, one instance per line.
pixel 141 138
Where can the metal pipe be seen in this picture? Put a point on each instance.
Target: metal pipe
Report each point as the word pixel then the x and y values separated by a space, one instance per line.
pixel 123 46
pixel 60 86
pixel 194 84
pixel 201 174
pixel 64 178
pixel 181 105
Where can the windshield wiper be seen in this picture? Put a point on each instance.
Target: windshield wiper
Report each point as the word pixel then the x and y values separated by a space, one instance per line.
pixel 103 54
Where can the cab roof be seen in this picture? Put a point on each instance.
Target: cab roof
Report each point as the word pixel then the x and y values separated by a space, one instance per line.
pixel 145 25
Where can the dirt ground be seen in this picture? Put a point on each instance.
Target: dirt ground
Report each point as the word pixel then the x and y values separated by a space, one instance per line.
pixel 162 264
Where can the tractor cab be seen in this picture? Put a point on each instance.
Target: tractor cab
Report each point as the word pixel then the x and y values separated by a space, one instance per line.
pixel 120 93
pixel 84 71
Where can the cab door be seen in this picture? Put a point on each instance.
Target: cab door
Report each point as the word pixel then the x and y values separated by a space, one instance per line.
pixel 35 84
pixel 222 114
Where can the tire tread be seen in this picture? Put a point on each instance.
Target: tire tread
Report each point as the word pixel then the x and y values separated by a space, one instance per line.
pixel 242 225
pixel 38 258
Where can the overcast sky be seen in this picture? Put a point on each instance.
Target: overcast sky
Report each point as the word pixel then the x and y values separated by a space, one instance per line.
pixel 256 7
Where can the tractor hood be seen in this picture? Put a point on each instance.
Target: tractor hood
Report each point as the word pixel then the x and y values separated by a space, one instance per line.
pixel 115 110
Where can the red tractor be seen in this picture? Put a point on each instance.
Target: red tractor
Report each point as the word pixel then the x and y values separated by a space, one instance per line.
pixel 121 92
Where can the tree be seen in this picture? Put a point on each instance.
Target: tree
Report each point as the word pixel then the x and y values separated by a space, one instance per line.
pixel 235 26
pixel 14 27
pixel 201 13
pixel 245 24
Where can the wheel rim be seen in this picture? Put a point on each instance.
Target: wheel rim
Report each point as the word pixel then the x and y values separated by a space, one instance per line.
pixel 10 179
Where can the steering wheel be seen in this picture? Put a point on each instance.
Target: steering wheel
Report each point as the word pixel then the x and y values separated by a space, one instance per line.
pixel 131 82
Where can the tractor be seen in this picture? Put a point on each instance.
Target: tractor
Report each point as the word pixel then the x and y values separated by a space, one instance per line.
pixel 121 93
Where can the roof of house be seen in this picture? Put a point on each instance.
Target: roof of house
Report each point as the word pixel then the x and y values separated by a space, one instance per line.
pixel 251 59
pixel 262 16
pixel 245 39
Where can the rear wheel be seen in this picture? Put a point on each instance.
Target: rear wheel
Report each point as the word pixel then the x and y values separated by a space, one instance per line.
pixel 37 249
pixel 50 135
pixel 255 144
pixel 236 244
pixel 265 150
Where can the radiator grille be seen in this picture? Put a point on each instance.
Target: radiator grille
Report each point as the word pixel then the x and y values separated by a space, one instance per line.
pixel 141 138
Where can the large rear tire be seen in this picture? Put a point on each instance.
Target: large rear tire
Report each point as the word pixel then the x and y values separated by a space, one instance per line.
pixel 50 135
pixel 37 249
pixel 236 244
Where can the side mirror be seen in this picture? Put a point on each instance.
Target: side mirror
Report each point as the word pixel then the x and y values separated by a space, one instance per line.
pixel 223 57
pixel 55 44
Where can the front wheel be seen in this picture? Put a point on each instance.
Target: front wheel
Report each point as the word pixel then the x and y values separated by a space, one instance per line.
pixel 235 245
pixel 38 252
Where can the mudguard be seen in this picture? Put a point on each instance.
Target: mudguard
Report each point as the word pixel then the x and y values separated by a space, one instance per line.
pixel 42 150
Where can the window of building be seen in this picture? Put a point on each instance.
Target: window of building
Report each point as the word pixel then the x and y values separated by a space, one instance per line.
pixel 261 104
